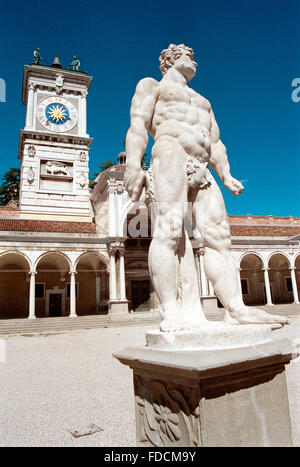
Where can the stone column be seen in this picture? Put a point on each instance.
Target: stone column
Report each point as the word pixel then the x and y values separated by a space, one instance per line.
pixel 112 275
pixel 98 288
pixel 112 210
pixel 240 280
pixel 197 264
pixel 122 276
pixel 29 111
pixel 72 295
pixel 32 296
pixel 207 294
pixel 294 285
pixel 118 306
pixel 204 288
pixel 210 289
pixel 267 285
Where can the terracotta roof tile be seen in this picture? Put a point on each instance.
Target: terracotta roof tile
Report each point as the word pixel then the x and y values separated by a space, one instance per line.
pixel 24 225
pixel 263 231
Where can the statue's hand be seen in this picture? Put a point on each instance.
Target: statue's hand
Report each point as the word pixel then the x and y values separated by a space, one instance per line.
pixel 233 185
pixel 134 180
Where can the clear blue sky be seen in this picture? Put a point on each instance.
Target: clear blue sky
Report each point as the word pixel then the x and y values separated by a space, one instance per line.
pixel 248 54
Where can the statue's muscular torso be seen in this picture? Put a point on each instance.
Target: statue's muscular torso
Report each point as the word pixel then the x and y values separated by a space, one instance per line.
pixel 184 115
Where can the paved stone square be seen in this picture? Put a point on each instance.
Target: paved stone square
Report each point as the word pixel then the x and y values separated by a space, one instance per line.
pixel 55 384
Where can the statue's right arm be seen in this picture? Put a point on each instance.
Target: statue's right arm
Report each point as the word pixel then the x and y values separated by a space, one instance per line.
pixel 141 113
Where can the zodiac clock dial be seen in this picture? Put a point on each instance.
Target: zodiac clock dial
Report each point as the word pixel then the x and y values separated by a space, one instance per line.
pixel 57 114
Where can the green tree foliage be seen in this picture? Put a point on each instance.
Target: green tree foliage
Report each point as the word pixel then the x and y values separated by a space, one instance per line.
pixel 103 166
pixel 9 190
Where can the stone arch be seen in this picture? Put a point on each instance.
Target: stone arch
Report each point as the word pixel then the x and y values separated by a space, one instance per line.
pixel 15 267
pixel 50 253
pixel 279 266
pixel 16 252
pixel 102 257
pixel 281 254
pixel 52 277
pixel 297 261
pixel 255 253
pixel 252 278
pixel 129 205
pixel 92 284
pixel 139 222
pixel 297 272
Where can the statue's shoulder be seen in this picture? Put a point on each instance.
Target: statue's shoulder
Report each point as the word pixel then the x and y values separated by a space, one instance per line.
pixel 147 85
pixel 201 100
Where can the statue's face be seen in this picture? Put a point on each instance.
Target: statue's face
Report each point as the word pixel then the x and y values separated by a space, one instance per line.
pixel 186 65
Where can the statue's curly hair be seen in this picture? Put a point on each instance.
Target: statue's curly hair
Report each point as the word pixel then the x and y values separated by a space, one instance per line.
pixel 172 53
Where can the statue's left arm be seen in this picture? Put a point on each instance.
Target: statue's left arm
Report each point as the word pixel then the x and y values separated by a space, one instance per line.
pixel 219 161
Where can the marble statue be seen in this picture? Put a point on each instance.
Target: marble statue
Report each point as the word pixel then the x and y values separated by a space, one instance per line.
pixel 37 56
pixel 186 143
pixel 75 63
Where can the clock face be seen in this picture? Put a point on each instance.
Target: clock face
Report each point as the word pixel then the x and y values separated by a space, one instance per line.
pixel 57 114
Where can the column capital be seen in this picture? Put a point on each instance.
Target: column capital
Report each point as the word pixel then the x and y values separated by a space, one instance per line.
pixel 199 251
pixel 115 247
pixel 31 87
pixel 32 273
pixel 122 250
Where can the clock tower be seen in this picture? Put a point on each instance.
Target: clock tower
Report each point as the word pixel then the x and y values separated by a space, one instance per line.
pixel 54 145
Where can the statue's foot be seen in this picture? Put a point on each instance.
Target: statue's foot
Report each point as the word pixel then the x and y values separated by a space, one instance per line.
pixel 194 322
pixel 193 317
pixel 171 323
pixel 250 315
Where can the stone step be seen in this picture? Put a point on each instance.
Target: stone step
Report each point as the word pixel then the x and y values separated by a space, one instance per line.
pixel 17 326
pixel 65 323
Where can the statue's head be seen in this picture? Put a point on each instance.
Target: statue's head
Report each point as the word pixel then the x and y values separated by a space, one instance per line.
pixel 75 57
pixel 37 50
pixel 169 56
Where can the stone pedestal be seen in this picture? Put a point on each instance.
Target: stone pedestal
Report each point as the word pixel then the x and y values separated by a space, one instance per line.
pixel 118 310
pixel 209 303
pixel 226 396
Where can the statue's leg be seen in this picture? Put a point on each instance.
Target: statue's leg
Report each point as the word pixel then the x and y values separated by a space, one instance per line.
pixel 189 299
pixel 211 219
pixel 170 193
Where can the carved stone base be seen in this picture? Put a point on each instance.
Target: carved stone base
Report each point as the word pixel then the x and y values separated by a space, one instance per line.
pixel 210 336
pixel 228 397
pixel 209 303
pixel 118 310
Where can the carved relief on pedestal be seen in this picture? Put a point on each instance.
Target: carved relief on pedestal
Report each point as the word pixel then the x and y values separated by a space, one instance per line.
pixel 31 151
pixel 59 82
pixel 57 168
pixel 167 414
pixel 30 175
pixel 82 179
pixel 56 175
pixel 82 156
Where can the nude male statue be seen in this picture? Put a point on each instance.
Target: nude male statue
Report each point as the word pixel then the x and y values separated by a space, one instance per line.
pixel 186 141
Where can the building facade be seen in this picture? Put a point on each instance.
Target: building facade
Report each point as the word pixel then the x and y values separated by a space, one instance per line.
pixel 68 250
